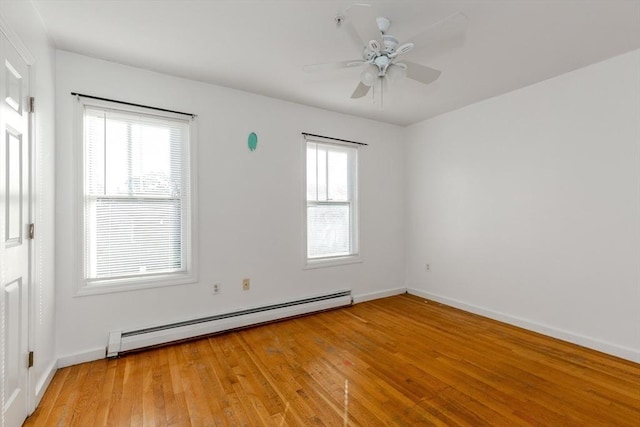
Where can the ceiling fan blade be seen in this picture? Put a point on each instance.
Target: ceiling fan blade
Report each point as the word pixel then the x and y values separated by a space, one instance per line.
pixel 405 48
pixel 361 90
pixel 363 19
pixel 421 73
pixel 450 28
pixel 313 68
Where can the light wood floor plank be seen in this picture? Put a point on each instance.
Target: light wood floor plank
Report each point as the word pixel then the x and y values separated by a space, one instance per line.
pixel 400 361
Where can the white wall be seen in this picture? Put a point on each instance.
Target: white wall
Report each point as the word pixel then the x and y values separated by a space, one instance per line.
pixel 250 205
pixel 23 19
pixel 527 207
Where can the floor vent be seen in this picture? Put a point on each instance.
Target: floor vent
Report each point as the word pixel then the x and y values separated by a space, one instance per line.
pixel 124 341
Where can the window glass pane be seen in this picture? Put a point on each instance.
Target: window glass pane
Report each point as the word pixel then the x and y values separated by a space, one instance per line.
pixel 328 230
pixel 322 173
pixel 136 236
pixel 94 124
pixel 337 176
pixel 312 170
pixel 117 163
pixel 142 158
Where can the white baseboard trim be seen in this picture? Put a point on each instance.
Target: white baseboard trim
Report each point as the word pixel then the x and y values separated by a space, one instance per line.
pixel 85 356
pixel 377 295
pixel 99 353
pixel 44 381
pixel 122 341
pixel 564 335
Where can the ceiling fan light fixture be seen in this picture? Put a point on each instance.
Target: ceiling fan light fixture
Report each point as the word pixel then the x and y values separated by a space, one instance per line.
pixel 383 24
pixel 396 73
pixel 369 75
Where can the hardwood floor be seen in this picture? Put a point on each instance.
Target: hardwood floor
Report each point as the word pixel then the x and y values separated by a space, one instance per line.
pixel 396 361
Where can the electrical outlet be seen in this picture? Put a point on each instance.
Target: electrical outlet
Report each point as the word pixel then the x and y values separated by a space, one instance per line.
pixel 246 284
pixel 215 288
pixel 428 267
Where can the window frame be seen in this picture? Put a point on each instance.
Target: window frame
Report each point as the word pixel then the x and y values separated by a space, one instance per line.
pixel 85 286
pixel 353 174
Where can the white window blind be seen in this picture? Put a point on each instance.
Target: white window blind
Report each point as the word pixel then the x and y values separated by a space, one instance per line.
pixel 136 195
pixel 331 201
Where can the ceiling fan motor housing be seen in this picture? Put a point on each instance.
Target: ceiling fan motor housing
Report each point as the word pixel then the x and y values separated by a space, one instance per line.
pixel 381 58
pixel 382 62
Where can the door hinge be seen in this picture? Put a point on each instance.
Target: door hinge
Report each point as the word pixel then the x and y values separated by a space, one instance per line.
pixel 32 231
pixel 32 104
pixel 30 361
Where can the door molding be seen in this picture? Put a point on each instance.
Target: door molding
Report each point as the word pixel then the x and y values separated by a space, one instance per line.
pixel 15 40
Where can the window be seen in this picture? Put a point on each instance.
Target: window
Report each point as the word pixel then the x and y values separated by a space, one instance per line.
pixel 136 198
pixel 332 211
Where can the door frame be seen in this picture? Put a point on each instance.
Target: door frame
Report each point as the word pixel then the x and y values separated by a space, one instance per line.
pixel 29 59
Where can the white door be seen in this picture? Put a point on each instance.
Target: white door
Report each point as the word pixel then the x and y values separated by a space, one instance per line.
pixel 14 185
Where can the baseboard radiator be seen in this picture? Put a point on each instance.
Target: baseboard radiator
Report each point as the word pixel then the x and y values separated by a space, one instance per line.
pixel 133 340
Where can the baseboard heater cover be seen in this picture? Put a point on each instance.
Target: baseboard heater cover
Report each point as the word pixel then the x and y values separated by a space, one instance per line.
pixel 124 341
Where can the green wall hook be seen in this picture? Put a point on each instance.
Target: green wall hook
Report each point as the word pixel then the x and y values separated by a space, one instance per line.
pixel 253 141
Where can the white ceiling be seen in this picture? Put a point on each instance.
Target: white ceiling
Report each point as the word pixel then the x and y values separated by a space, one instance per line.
pixel 260 46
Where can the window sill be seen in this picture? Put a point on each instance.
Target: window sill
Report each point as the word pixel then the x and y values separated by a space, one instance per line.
pixel 116 286
pixel 332 262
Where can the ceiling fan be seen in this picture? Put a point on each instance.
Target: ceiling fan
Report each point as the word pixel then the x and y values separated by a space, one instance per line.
pixel 381 51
